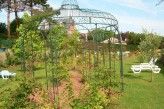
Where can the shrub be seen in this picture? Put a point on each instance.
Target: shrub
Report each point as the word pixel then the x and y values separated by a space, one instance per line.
pixel 7 43
pixel 19 97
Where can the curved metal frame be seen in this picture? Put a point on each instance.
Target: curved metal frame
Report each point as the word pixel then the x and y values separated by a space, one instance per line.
pixel 89 19
pixel 84 20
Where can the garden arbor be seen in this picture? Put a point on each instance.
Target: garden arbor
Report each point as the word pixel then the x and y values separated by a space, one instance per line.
pixel 88 20
pixel 102 53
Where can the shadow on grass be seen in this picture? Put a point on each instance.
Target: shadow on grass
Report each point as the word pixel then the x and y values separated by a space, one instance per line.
pixel 130 76
pixel 35 69
pixel 41 78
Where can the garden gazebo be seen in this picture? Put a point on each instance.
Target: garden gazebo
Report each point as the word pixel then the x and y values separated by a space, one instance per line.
pixel 86 20
pixel 101 53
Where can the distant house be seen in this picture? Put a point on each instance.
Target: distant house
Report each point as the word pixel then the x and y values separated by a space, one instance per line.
pixel 114 41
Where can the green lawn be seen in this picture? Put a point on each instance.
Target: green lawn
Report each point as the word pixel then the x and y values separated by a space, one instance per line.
pixel 140 92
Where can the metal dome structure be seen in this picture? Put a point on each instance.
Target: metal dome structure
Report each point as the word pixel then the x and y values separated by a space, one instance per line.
pixel 86 20
pixel 104 53
pixel 104 56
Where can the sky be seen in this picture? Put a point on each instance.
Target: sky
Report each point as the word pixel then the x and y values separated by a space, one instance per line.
pixel 132 15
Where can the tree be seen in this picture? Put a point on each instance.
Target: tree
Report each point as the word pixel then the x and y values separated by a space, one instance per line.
pixel 100 34
pixel 17 6
pixel 8 18
pixel 34 3
pixel 2 27
pixel 2 4
pixel 148 47
pixel 150 44
pixel 6 4
pixel 32 43
pixel 14 26
pixel 11 6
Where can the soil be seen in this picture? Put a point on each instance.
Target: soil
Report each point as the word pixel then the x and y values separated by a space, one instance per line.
pixel 76 84
pixel 75 79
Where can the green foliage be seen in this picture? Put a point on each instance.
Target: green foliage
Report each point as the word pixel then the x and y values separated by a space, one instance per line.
pixel 130 47
pixel 29 42
pixel 3 36
pixel 56 37
pixel 11 59
pixel 141 57
pixel 60 75
pixel 100 35
pixel 150 44
pixel 7 43
pixel 106 77
pixel 162 43
pixel 73 44
pixel 162 57
pixel 134 38
pixel 18 98
pixel 3 28
pixel 91 97
pixel 13 25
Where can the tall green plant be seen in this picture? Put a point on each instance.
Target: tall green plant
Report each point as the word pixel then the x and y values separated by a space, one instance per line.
pixel 148 47
pixel 150 44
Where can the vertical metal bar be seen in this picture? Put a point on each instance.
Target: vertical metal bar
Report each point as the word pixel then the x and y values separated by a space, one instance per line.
pixel 97 45
pixel 103 53
pixel 94 49
pixel 45 60
pixel 32 56
pixel 109 51
pixel 121 61
pixel 23 56
pixel 52 64
pixel 56 71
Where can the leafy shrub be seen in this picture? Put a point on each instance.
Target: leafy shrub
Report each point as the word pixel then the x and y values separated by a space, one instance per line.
pixel 141 58
pixel 7 43
pixel 19 97
pixel 91 97
pixel 60 75
pixel 13 24
pixel 3 36
pixel 130 47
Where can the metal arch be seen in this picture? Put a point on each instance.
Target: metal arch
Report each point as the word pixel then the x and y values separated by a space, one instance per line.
pixel 88 18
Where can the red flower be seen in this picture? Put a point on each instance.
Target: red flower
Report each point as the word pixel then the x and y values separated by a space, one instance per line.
pixel 90 65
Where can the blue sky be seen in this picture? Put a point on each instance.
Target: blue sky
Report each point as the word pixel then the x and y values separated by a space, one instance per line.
pixel 133 15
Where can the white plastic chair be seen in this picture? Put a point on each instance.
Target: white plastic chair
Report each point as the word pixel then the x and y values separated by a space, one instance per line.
pixel 146 66
pixel 5 74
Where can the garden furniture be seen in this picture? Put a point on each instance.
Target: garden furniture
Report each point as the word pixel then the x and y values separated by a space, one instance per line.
pixel 5 74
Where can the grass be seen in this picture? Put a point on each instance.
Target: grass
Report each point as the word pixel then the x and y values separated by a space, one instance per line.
pixel 139 91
